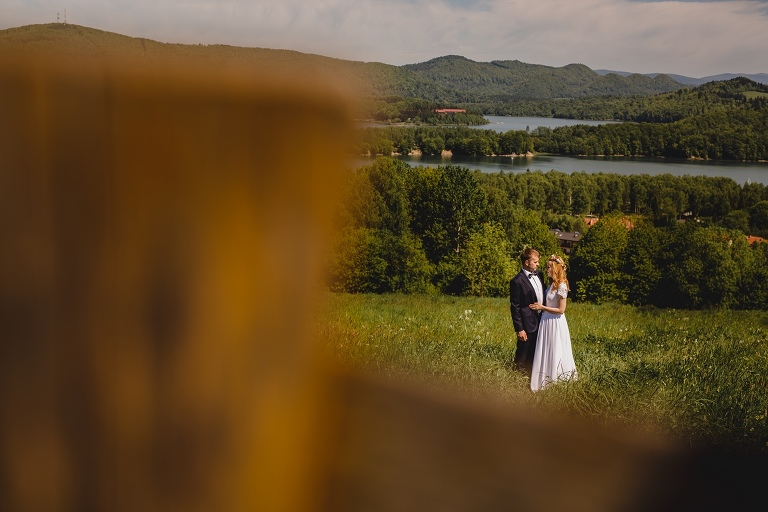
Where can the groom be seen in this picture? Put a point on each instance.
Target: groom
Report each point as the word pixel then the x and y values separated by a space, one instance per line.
pixel 526 288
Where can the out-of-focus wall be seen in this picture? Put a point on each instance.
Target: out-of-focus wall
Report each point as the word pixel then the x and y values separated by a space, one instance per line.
pixel 161 241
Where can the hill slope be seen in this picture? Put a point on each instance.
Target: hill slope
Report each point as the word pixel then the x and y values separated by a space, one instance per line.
pixel 761 78
pixel 473 81
pixel 450 79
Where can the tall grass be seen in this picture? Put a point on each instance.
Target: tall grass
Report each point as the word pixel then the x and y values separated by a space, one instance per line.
pixel 700 377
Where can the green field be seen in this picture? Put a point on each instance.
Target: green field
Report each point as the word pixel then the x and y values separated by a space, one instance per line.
pixel 700 377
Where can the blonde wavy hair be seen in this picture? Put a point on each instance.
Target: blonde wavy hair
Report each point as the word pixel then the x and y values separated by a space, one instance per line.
pixel 558 272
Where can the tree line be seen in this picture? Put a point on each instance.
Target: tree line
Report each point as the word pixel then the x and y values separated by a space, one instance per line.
pixel 417 112
pixel 725 134
pixel 717 135
pixel 451 230
pixel 433 140
pixel 662 199
pixel 685 266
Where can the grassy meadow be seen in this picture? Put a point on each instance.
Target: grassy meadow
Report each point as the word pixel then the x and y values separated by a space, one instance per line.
pixel 700 377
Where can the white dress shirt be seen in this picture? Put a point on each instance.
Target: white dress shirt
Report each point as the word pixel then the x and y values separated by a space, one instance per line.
pixel 537 287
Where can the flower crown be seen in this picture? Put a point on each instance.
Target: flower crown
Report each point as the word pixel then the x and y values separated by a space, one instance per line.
pixel 557 260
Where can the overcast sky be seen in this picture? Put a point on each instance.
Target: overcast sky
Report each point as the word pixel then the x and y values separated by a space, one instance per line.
pixel 691 37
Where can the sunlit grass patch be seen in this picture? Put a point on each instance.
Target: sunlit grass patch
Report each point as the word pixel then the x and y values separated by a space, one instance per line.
pixel 699 376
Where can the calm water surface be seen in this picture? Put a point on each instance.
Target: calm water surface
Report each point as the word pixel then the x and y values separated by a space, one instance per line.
pixel 506 123
pixel 740 172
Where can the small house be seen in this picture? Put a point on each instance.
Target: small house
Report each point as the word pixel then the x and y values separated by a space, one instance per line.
pixel 567 239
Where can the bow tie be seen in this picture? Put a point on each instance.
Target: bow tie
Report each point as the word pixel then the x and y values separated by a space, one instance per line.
pixel 531 275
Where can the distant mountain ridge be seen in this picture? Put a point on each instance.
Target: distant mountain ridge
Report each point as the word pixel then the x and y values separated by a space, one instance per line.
pixel 467 81
pixel 761 78
pixel 451 79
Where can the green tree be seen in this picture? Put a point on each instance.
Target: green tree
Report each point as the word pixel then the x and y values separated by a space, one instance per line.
pixel 358 263
pixel 583 195
pixel 388 178
pixel 486 262
pixel 751 194
pixel 432 146
pixel 702 267
pixel 753 294
pixel 611 194
pixel 356 208
pixel 427 221
pixel 462 204
pixel 536 188
pixel 475 145
pixel 378 261
pixel 560 192
pixel 405 143
pixel 597 262
pixel 528 230
pixel 641 267
pixel 738 220
pixel 515 142
pixel 758 219
pixel 408 269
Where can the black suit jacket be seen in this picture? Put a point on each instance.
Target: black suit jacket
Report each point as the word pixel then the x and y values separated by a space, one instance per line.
pixel 521 294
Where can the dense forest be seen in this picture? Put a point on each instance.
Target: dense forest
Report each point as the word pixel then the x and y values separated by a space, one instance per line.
pixel 452 230
pixel 417 112
pixel 454 78
pixel 658 108
pixel 719 120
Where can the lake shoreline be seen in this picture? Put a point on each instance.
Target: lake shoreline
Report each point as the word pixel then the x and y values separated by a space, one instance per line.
pixel 740 172
pixel 448 153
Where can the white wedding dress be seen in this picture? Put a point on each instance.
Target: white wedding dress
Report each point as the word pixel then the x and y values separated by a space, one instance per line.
pixel 553 359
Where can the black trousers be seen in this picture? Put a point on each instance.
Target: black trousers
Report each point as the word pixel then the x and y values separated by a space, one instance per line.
pixel 525 352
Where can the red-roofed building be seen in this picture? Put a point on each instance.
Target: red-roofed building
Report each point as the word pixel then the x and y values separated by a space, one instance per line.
pixel 755 239
pixel 451 110
pixel 590 220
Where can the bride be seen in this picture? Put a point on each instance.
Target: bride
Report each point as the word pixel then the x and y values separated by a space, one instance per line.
pixel 554 358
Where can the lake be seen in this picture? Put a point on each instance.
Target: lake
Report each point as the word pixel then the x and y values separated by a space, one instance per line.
pixel 506 123
pixel 740 172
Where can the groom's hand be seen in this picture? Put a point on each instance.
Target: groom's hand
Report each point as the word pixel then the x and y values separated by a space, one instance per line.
pixel 522 336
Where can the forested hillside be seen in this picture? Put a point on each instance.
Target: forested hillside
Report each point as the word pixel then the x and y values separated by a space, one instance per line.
pixel 658 108
pixel 461 80
pixel 451 230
